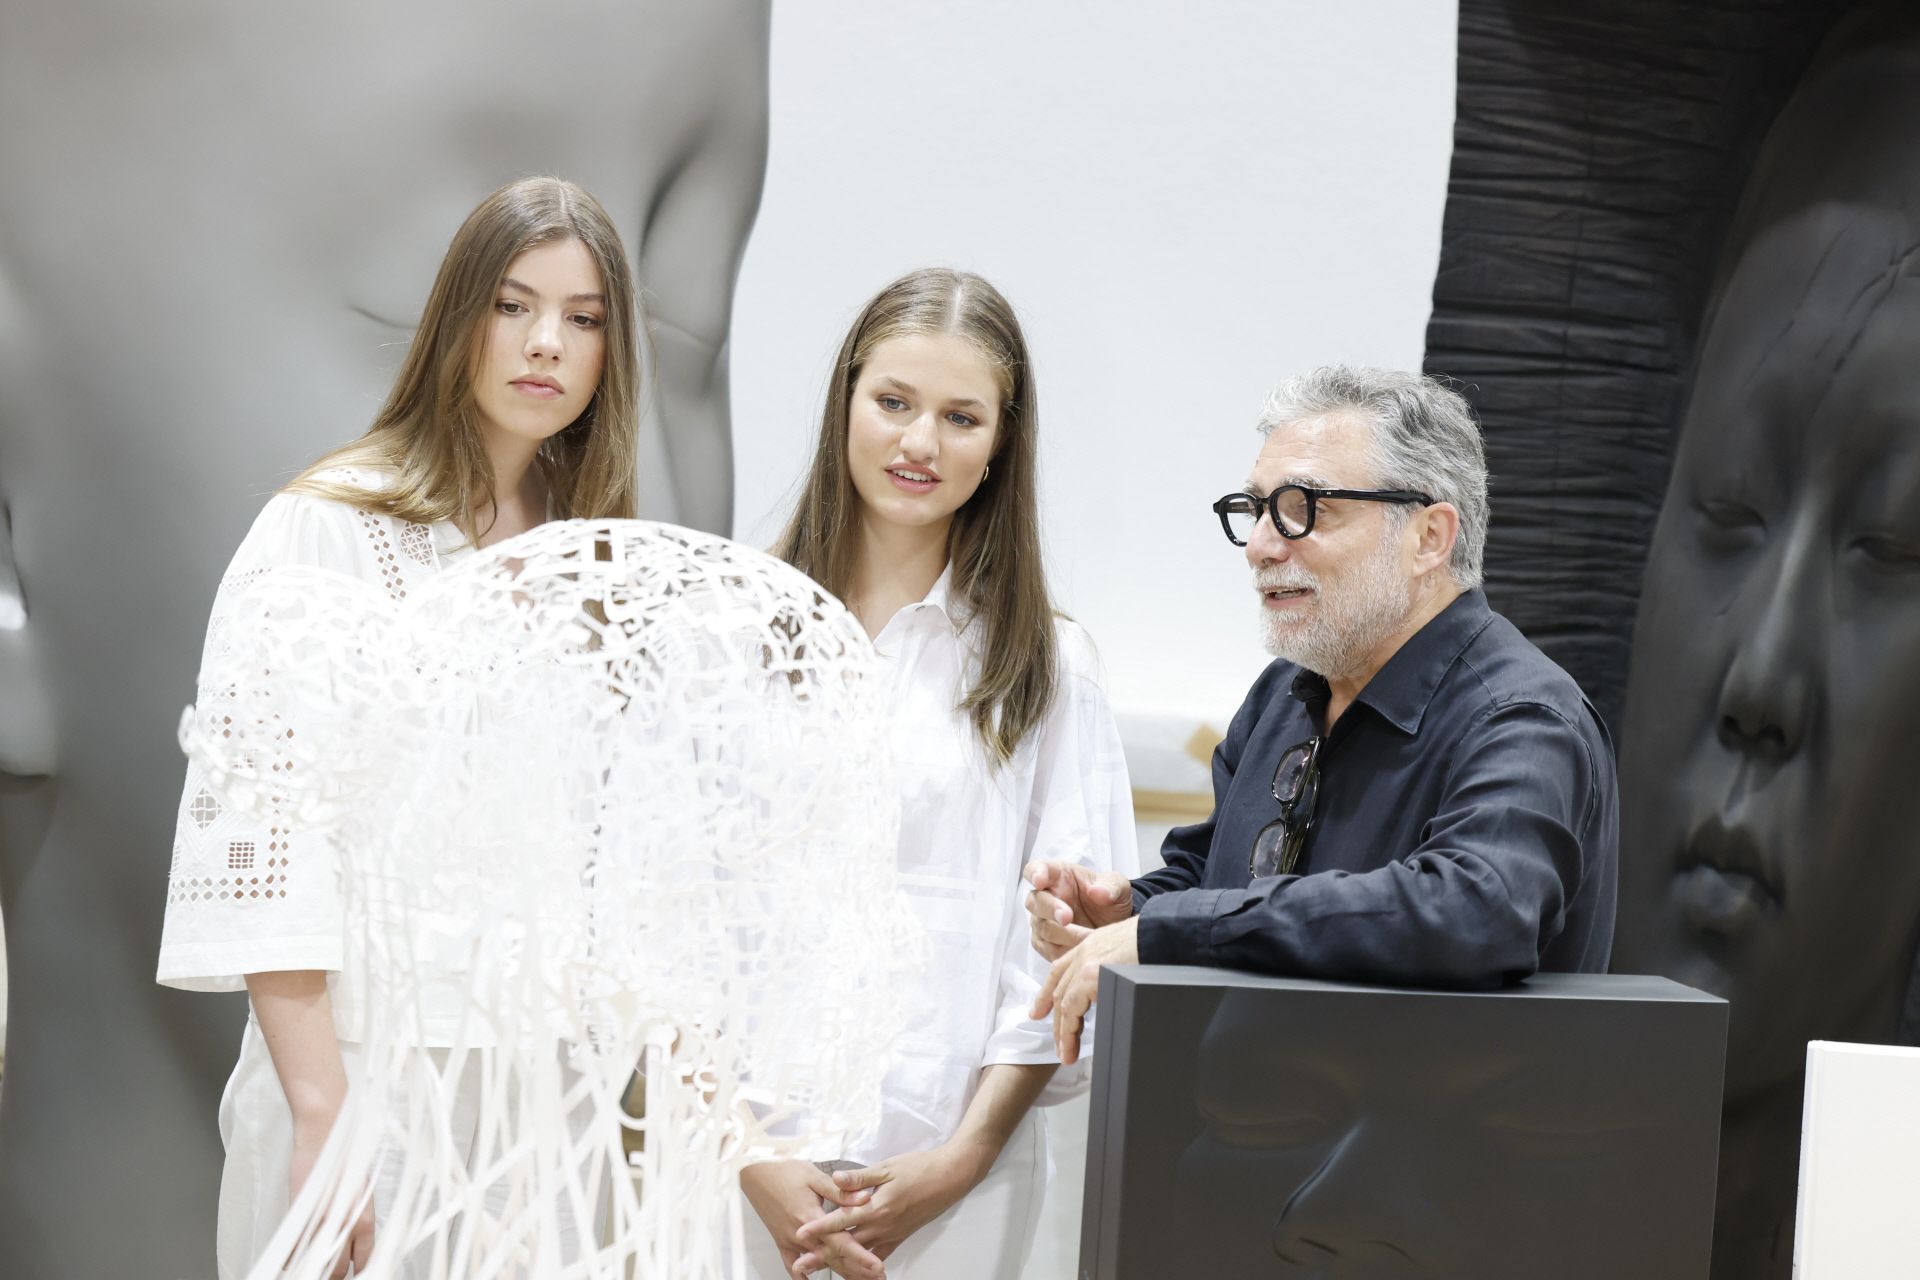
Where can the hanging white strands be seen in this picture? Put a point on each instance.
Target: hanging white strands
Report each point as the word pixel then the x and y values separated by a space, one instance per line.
pixel 608 795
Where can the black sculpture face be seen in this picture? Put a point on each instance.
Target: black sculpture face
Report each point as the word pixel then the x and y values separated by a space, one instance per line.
pixel 1340 1145
pixel 1771 821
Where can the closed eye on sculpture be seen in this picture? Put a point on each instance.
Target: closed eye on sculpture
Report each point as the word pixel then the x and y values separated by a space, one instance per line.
pixel 1278 1132
pixel 1887 552
pixel 1561 1117
pixel 1728 524
pixel 1548 1114
pixel 1539 1115
pixel 1258 1102
pixel 1285 1110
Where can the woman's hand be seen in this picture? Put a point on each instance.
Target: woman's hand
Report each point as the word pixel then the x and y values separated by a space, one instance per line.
pixel 908 1192
pixel 1070 901
pixel 787 1195
pixel 296 1020
pixel 309 1136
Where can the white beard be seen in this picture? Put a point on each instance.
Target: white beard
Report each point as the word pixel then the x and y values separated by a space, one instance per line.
pixel 1348 620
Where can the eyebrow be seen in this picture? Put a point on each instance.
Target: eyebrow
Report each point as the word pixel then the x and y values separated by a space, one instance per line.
pixel 1309 482
pixel 891 381
pixel 511 283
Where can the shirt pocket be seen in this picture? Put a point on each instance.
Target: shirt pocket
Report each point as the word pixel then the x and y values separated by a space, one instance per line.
pixel 949 1011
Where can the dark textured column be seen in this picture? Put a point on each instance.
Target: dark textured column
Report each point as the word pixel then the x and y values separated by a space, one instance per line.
pixel 1598 151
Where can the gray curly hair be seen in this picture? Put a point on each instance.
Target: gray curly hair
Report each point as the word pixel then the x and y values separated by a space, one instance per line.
pixel 1423 435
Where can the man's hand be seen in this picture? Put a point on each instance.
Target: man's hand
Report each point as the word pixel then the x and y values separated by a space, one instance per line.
pixel 1070 901
pixel 907 1192
pixel 1074 981
pixel 787 1195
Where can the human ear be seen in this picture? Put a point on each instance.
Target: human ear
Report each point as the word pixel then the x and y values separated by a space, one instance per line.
pixel 1439 527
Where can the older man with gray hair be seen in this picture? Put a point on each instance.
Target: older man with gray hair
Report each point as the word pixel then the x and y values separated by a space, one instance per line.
pixel 1412 792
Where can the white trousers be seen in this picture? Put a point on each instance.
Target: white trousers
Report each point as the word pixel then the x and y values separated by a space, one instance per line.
pixel 256 1127
pixel 989 1235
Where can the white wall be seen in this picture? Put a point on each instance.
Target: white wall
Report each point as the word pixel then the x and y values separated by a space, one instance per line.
pixel 1184 203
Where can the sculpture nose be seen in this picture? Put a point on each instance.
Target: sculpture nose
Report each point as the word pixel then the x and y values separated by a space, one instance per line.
pixel 1357 1213
pixel 1767 695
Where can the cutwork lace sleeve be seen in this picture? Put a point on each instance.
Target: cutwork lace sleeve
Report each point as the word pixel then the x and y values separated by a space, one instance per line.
pixel 253 895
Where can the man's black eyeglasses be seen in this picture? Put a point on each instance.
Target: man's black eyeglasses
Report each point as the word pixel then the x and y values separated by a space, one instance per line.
pixel 1296 785
pixel 1292 508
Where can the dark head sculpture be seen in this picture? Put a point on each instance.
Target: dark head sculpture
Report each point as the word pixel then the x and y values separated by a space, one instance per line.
pixel 1770 821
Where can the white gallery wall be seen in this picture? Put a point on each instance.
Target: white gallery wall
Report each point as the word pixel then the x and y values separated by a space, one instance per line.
pixel 1183 202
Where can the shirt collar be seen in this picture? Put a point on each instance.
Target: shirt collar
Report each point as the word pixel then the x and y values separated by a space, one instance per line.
pixel 941 598
pixel 1402 689
pixel 448 541
pixel 450 544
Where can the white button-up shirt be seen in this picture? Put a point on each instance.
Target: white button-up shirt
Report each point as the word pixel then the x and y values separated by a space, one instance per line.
pixel 967 829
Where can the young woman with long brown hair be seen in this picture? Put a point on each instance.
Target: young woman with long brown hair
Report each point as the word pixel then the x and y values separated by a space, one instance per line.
pixel 920 511
pixel 517 402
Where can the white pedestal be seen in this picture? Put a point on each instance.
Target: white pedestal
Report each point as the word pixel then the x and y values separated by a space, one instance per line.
pixel 1859 1213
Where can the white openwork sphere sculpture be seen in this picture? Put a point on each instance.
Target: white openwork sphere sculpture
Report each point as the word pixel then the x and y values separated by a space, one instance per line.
pixel 609 795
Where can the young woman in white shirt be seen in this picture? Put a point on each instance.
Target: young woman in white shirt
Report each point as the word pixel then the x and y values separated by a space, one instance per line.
pixel 920 511
pixel 517 401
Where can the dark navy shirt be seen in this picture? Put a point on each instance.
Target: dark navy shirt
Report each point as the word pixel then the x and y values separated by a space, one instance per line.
pixel 1466 831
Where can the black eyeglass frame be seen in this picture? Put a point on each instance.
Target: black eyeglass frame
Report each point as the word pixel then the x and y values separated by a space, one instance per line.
pixel 1296 810
pixel 1271 502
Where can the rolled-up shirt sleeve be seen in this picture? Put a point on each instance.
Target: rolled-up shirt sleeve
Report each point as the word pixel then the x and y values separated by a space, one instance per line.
pixel 1473 905
pixel 1082 812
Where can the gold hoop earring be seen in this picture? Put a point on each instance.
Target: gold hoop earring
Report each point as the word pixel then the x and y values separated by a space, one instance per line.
pixel 986 473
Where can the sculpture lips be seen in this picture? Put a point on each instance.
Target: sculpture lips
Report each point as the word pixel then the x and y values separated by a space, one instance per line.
pixel 1723 885
pixel 1722 902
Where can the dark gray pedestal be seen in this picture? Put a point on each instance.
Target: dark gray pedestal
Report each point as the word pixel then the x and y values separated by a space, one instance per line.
pixel 1274 1127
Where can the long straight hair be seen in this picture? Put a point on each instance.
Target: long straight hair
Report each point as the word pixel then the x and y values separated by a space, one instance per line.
pixel 993 545
pixel 427 437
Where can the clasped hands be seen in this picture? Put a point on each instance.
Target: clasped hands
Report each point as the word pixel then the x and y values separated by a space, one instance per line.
pixel 850 1222
pixel 1080 919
